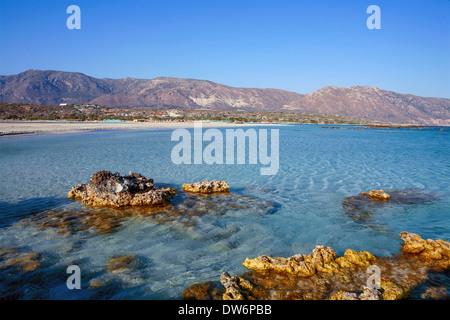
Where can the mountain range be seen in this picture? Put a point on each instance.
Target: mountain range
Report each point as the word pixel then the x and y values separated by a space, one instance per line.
pixel 365 102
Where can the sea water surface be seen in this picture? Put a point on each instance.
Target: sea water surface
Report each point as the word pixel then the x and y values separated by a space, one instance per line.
pixel 280 215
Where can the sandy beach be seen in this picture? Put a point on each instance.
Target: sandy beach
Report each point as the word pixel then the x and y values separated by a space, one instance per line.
pixel 55 127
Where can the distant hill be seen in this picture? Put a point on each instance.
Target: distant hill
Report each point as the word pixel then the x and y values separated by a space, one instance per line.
pixel 55 87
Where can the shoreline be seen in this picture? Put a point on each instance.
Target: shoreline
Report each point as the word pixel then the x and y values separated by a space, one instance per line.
pixel 16 128
pixel 10 128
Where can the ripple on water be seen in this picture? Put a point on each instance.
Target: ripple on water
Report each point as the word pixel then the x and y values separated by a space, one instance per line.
pixel 195 239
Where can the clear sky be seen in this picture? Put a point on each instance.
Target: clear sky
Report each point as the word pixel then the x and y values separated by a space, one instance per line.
pixel 299 45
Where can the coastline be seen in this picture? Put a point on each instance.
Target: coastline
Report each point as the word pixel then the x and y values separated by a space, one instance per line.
pixel 15 128
pixel 10 128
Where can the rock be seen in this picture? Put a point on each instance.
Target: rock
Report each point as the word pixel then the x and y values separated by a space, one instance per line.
pixel 120 269
pixel 203 291
pixel 343 295
pixel 351 258
pixel 207 187
pixel 121 263
pixel 322 259
pixel 435 293
pixel 232 290
pixel 377 195
pixel 106 182
pixel 435 251
pixel 362 208
pixel 392 290
pixel 367 294
pixel 24 261
pixel 108 189
pixel 67 222
pixel 182 212
pixel 321 275
pixel 96 283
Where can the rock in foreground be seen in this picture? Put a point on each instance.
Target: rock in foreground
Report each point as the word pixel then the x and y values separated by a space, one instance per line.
pixel 321 275
pixel 434 251
pixel 108 189
pixel 322 259
pixel 207 187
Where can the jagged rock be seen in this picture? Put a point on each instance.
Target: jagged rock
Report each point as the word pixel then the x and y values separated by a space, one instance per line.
pixel 320 275
pixel 370 294
pixel 392 290
pixel 351 258
pixel 377 195
pixel 438 251
pixel 203 291
pixel 207 187
pixel 108 189
pixel 232 290
pixel 322 259
pixel 343 295
pixel 367 294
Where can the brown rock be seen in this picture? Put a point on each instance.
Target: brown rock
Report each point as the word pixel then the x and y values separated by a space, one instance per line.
pixel 320 275
pixel 367 294
pixel 435 293
pixel 392 290
pixel 207 187
pixel 435 251
pixel 24 261
pixel 96 283
pixel 322 259
pixel 203 291
pixel 107 189
pixel 351 258
pixel 232 289
pixel 362 208
pixel 121 263
pixel 377 195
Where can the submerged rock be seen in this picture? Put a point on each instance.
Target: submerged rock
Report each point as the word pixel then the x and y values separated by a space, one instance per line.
pixel 121 263
pixel 182 212
pixel 108 189
pixel 207 187
pixel 24 261
pixel 320 275
pixel 361 207
pixel 122 270
pixel 435 293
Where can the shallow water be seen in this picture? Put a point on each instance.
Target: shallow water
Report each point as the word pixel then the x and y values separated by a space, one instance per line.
pixel 196 239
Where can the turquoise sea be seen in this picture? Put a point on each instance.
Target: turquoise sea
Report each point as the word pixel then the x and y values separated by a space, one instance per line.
pixel 197 238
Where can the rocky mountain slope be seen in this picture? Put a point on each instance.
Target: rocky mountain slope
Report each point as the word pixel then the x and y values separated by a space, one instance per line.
pixel 55 87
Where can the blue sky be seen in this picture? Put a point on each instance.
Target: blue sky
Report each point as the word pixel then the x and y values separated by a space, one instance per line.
pixel 300 45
